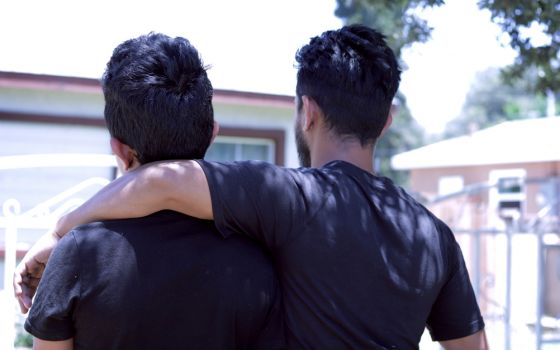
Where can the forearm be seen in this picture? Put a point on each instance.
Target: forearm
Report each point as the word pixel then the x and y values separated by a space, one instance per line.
pixel 39 344
pixel 174 185
pixel 475 341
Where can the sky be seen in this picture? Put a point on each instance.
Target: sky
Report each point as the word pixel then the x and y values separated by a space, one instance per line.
pixel 249 44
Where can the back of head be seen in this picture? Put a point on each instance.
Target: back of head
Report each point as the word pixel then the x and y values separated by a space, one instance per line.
pixel 353 76
pixel 158 98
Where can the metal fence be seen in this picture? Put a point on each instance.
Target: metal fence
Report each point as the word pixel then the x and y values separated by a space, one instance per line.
pixel 514 264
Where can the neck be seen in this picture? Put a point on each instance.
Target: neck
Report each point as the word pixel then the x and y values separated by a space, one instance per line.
pixel 330 148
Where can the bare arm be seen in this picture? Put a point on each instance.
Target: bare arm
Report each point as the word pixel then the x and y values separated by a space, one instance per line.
pixel 39 344
pixel 475 341
pixel 174 185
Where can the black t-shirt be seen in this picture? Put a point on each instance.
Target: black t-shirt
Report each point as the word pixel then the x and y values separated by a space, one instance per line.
pixel 166 281
pixel 361 263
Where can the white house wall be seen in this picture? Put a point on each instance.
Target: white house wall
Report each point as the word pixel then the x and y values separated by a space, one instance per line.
pixel 56 103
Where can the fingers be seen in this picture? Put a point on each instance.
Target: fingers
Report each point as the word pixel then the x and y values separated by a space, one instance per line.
pixel 18 292
pixel 34 268
pixel 31 268
pixel 31 282
pixel 21 291
pixel 25 299
pixel 24 289
pixel 29 287
pixel 26 281
pixel 22 307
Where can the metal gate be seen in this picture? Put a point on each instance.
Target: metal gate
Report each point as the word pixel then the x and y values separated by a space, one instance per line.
pixel 527 252
pixel 41 217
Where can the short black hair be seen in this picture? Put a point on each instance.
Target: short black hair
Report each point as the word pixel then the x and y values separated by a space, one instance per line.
pixel 353 77
pixel 158 98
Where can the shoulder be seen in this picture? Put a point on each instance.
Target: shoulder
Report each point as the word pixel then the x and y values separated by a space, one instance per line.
pixel 406 207
pixel 162 220
pixel 258 176
pixel 90 233
pixel 407 201
pixel 248 168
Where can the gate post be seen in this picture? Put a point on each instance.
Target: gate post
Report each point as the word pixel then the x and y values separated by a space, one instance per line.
pixel 11 210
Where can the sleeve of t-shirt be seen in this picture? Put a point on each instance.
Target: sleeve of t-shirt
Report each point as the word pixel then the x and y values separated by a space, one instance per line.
pixel 262 200
pixel 455 314
pixel 50 317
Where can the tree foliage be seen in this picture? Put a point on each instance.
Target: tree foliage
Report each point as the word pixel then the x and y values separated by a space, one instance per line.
pixel 516 17
pixel 398 19
pixel 490 102
pixel 395 18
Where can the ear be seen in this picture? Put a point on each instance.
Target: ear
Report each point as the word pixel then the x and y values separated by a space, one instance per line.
pixel 311 112
pixel 387 124
pixel 215 131
pixel 124 153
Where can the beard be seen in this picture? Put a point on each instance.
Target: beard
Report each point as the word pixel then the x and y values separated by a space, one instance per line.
pixel 304 154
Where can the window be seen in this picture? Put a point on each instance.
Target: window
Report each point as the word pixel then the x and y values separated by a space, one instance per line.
pixel 510 185
pixel 226 148
pixel 507 196
pixel 248 144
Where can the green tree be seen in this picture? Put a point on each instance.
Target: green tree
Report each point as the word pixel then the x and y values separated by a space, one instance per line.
pixel 516 17
pixel 490 102
pixel 397 19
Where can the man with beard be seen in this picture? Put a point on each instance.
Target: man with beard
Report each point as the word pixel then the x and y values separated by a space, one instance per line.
pixel 362 264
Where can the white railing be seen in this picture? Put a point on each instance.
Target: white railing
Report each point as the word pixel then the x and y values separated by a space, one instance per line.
pixel 41 217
